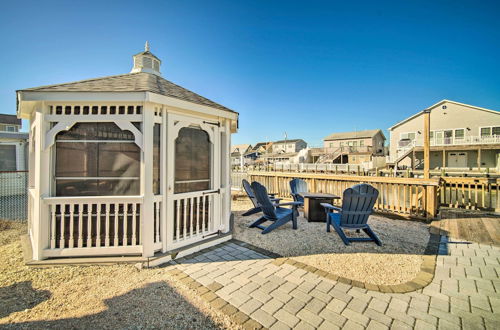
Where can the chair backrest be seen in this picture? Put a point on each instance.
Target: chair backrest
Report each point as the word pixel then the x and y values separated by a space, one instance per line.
pixel 298 186
pixel 265 203
pixel 357 204
pixel 249 191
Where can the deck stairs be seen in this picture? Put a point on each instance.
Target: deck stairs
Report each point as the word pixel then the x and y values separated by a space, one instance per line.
pixel 329 157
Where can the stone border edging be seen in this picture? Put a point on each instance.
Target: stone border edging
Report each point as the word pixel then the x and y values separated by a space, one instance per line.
pixel 423 278
pixel 207 293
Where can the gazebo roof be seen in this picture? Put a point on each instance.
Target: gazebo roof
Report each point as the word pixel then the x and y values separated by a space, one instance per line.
pixel 130 82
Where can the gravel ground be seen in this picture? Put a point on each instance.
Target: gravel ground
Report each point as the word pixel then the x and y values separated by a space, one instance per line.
pixel 117 296
pixel 397 261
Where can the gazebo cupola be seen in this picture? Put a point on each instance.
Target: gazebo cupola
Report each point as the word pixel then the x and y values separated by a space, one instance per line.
pixel 146 62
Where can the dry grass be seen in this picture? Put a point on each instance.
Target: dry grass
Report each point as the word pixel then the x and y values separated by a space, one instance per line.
pixel 397 261
pixel 117 296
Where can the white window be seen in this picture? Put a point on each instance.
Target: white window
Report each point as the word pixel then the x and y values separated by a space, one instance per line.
pixel 491 130
pixel 11 129
pixel 7 157
pixel 459 134
pixel 407 136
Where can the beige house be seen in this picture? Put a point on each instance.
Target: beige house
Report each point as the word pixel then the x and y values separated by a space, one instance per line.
pixel 288 146
pixel 462 136
pixel 13 144
pixel 238 152
pixel 352 147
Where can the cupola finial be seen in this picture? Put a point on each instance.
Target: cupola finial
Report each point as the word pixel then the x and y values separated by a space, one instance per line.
pixel 146 46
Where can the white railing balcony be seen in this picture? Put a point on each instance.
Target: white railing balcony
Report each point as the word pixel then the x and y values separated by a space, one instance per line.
pixel 466 140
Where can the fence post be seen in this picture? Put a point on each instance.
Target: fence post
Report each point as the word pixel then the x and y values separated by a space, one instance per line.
pixel 431 204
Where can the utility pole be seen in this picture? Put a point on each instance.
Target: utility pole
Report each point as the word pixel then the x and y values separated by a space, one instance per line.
pixel 427 154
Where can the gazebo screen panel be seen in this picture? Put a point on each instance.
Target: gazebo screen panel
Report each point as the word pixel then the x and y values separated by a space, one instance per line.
pixel 192 160
pixel 97 159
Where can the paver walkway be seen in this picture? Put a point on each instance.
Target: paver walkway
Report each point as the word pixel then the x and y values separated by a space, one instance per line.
pixel 258 292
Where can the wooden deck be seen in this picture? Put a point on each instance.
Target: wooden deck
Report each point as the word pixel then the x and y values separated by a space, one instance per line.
pixel 461 225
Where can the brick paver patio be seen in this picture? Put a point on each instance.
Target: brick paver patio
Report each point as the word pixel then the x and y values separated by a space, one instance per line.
pixel 256 291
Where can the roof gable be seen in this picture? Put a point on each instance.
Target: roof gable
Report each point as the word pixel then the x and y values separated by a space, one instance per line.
pixel 241 148
pixel 354 135
pixel 131 82
pixel 440 103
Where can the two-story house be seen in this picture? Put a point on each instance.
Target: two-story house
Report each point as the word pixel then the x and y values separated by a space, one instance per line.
pixel 462 136
pixel 257 150
pixel 288 146
pixel 238 152
pixel 13 144
pixel 352 147
pixel 284 151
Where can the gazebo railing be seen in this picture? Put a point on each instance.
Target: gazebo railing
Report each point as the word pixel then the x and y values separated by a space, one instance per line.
pixel 193 217
pixel 158 218
pixel 94 225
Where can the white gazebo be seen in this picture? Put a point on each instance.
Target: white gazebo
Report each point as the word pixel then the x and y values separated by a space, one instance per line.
pixel 126 165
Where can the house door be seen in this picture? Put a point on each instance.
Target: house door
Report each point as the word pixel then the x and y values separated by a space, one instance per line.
pixel 457 159
pixel 439 137
pixel 193 188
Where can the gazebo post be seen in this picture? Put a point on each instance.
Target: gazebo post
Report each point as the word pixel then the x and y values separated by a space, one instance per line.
pixel 40 212
pixel 147 215
pixel 164 155
pixel 226 174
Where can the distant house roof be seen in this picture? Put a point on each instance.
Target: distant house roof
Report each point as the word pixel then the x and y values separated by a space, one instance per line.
pixel 240 148
pixel 14 135
pixel 9 119
pixel 130 82
pixel 287 141
pixel 281 155
pixel 438 104
pixel 261 144
pixel 354 135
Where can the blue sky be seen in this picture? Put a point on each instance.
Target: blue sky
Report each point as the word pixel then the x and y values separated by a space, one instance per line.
pixel 309 68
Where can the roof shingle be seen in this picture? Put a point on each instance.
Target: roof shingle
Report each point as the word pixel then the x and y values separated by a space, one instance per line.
pixel 353 135
pixel 9 119
pixel 131 82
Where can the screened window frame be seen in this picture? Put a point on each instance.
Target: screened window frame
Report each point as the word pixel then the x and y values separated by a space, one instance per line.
pixel 53 187
pixel 211 171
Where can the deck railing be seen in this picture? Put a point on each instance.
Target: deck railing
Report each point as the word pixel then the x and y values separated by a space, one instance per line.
pixel 100 225
pixel 403 196
pixel 470 193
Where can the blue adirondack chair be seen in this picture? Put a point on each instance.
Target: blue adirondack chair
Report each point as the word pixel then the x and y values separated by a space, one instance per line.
pixel 357 205
pixel 256 206
pixel 298 186
pixel 274 213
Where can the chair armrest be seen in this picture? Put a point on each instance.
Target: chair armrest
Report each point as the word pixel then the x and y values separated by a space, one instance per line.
pixel 330 207
pixel 275 199
pixel 289 203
